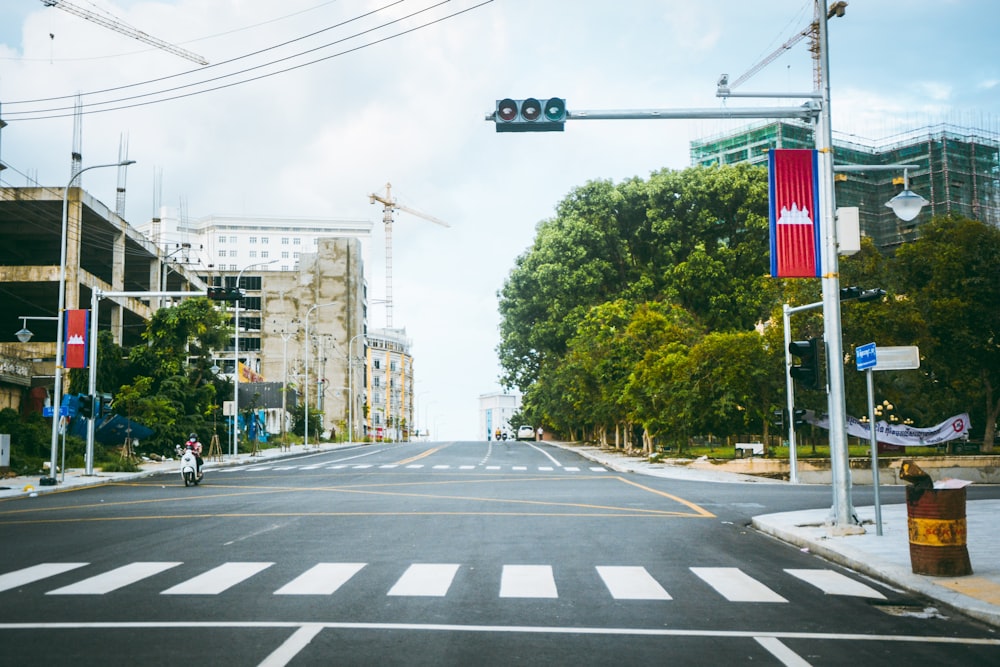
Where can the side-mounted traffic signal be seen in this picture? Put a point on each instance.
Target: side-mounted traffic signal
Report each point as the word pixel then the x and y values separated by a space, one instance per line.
pixel 530 115
pixel 798 417
pixel 85 406
pixel 806 372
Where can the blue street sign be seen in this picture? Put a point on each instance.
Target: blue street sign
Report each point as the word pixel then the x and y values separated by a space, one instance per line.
pixel 865 357
pixel 63 411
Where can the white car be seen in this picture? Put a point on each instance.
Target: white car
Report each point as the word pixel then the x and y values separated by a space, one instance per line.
pixel 525 433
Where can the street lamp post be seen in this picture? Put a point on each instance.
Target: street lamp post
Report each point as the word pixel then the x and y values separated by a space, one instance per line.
pixel 305 438
pixel 236 359
pixel 57 389
pixel 350 387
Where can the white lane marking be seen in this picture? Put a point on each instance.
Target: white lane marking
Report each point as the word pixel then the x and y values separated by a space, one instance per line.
pixel 527 581
pixel 285 653
pixel 511 629
pixel 34 573
pixel 466 467
pixel 415 465
pixel 361 466
pixel 787 656
pixel 546 454
pixel 425 579
pixel 285 467
pixel 442 467
pixel 387 466
pixel 547 468
pixel 519 468
pixel 493 467
pixel 256 468
pixel 337 467
pixel 315 467
pixel 598 469
pixel 735 585
pixel 835 583
pixel 572 469
pixel 321 579
pixel 217 579
pixel 631 583
pixel 113 579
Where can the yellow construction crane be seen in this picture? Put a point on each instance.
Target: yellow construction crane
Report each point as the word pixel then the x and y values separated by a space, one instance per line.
pixel 388 206
pixel 125 29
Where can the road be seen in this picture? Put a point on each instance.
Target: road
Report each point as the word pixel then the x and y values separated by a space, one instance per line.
pixel 448 553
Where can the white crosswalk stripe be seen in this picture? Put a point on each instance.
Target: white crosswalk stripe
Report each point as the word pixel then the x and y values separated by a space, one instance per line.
pixel 527 581
pixel 425 579
pixel 35 573
pixel 217 579
pixel 115 579
pixel 321 579
pixel 622 582
pixel 598 469
pixel 631 583
pixel 835 583
pixel 735 585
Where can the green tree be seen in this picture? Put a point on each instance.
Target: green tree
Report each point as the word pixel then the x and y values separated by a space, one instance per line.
pixel 950 275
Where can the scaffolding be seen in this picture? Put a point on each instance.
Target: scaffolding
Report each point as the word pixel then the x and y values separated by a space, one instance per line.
pixel 958 171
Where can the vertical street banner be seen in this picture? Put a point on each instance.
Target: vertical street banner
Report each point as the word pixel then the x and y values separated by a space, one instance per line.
pixel 793 209
pixel 77 328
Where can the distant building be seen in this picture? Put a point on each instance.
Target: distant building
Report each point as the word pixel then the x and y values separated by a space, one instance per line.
pixel 495 412
pixel 958 171
pixel 389 385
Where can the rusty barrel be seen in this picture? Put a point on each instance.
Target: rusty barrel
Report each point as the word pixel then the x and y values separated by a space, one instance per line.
pixel 936 522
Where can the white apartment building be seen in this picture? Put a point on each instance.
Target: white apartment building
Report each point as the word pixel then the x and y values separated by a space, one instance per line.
pixel 495 412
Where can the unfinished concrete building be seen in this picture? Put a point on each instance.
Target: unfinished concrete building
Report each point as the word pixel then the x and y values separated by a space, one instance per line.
pixel 958 171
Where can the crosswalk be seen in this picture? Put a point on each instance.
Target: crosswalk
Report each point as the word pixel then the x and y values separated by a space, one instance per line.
pixel 516 581
pixel 412 466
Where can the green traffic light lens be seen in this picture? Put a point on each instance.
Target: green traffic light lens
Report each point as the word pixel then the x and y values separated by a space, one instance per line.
pixel 555 109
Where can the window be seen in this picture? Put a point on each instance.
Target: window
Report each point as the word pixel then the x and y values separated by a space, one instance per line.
pixel 263 253
pixel 222 239
pixel 284 254
pixel 284 240
pixel 232 253
pixel 253 239
pixel 232 239
pixel 253 254
pixel 296 241
pixel 264 240
pixel 222 253
pixel 295 255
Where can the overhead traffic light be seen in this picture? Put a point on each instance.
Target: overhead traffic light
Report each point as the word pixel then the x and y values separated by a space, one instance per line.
pixel 861 295
pixel 806 372
pixel 530 115
pixel 799 417
pixel 225 293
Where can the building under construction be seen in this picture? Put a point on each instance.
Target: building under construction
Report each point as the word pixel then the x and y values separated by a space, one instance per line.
pixel 958 171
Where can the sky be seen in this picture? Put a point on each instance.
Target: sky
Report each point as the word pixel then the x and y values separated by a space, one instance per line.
pixel 397 91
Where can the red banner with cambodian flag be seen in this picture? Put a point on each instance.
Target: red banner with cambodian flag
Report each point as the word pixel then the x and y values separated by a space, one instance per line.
pixel 793 209
pixel 77 327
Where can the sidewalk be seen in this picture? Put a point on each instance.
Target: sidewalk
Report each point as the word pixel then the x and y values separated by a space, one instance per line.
pixel 885 557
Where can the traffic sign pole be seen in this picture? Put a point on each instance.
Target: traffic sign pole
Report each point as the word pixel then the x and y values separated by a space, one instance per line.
pixel 873 440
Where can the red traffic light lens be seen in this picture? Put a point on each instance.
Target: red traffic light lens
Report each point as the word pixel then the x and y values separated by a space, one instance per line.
pixel 507 110
pixel 531 109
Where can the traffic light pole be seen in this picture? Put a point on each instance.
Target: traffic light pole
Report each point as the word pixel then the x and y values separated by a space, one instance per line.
pixel 95 301
pixel 793 454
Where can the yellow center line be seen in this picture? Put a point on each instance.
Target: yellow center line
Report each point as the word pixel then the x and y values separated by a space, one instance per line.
pixel 420 456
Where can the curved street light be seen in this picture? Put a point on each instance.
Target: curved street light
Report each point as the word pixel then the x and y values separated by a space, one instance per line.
pixel 236 359
pixel 57 389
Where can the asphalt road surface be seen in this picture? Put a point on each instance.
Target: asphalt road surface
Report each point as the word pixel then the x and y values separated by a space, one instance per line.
pixel 449 553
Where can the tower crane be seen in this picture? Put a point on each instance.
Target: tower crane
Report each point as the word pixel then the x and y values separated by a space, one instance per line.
pixel 388 206
pixel 125 29
pixel 812 30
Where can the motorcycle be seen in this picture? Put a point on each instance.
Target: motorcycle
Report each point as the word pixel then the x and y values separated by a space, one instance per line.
pixel 189 467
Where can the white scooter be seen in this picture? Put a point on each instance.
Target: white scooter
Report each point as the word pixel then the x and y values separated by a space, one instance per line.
pixel 189 467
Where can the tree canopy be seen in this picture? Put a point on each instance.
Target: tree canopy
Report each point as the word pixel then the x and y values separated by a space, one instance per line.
pixel 645 309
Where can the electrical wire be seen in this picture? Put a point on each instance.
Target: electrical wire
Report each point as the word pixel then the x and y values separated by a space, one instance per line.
pixel 49 112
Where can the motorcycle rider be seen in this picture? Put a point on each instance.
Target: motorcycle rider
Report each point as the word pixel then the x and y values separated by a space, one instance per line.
pixel 195 448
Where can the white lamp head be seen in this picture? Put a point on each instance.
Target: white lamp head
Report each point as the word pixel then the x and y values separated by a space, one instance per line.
pixel 906 205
